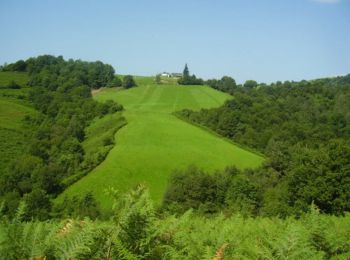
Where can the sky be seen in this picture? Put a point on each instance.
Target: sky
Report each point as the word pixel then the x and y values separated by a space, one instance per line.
pixel 264 40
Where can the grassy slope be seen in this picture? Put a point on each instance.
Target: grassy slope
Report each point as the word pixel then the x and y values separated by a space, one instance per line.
pixel 155 142
pixel 12 112
pixel 100 129
pixel 20 78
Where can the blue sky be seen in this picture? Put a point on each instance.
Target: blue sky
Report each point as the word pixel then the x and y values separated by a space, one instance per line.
pixel 265 40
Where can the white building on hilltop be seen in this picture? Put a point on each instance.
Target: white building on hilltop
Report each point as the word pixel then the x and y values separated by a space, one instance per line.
pixel 165 74
pixel 171 75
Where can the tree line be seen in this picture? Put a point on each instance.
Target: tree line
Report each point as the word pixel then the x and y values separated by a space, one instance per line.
pixel 225 84
pixel 53 72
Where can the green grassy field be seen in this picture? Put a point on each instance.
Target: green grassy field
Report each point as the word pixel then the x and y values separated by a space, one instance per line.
pixel 20 78
pixel 13 109
pixel 155 142
pixel 13 132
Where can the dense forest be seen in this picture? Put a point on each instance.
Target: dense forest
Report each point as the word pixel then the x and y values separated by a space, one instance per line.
pixel 302 128
pixel 61 93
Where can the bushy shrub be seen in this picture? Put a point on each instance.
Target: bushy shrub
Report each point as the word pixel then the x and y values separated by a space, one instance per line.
pixel 129 82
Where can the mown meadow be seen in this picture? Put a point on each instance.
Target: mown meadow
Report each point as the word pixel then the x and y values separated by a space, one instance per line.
pixel 155 142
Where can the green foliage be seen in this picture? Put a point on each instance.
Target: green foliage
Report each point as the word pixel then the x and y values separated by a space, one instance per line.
pixel 18 178
pixel 135 217
pixel 20 66
pixel 231 191
pixel 136 232
pixel 250 84
pixel 193 189
pixel 225 84
pixel 14 129
pixel 77 207
pixel 322 177
pixel 60 92
pixel 128 82
pixel 109 107
pixel 21 78
pixel 14 112
pixel 55 73
pixel 303 129
pixel 115 82
pixel 38 204
pixel 242 196
pixel 11 85
pixel 98 142
pixel 188 79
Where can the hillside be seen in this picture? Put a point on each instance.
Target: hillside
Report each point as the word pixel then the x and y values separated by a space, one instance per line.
pixel 13 109
pixel 145 130
pixel 20 78
pixel 155 142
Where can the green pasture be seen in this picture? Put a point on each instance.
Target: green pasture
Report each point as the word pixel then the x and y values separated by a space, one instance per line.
pixel 20 78
pixel 155 142
pixel 13 131
pixel 13 109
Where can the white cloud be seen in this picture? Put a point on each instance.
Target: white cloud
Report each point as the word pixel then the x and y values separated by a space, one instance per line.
pixel 327 1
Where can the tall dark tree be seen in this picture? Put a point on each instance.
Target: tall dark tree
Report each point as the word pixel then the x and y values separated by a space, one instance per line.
pixel 187 79
pixel 186 72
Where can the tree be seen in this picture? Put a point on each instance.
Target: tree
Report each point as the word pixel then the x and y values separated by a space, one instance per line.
pixel 158 79
pixel 128 82
pixel 18 176
pixel 48 178
pixel 186 72
pixel 114 83
pixel 242 195
pixel 188 79
pixel 228 83
pixel 38 204
pixel 322 177
pixel 191 188
pixel 20 66
pixel 250 84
